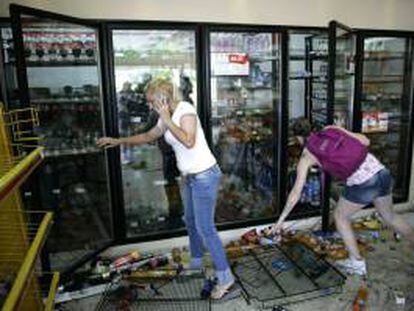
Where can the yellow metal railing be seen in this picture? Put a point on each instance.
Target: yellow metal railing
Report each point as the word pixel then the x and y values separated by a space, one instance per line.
pixel 28 264
pixel 22 234
pixel 50 302
pixel 18 173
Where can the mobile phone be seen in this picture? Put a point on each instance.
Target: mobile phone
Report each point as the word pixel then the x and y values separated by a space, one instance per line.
pixel 161 98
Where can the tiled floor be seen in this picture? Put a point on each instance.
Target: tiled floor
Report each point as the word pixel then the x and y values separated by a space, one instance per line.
pixel 390 267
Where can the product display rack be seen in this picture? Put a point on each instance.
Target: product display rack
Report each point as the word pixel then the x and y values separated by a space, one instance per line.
pixel 279 275
pixel 181 293
pixel 384 89
pixel 22 233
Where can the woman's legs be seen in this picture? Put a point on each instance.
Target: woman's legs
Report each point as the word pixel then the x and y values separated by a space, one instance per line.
pixel 342 214
pixel 204 193
pixel 355 264
pixel 196 243
pixel 384 207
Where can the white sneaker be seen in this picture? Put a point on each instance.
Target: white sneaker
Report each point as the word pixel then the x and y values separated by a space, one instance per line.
pixel 220 290
pixel 353 266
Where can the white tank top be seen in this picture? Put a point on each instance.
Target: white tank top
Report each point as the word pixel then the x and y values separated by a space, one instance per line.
pixel 365 171
pixel 190 160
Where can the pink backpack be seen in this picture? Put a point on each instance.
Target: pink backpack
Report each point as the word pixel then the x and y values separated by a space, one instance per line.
pixel 339 154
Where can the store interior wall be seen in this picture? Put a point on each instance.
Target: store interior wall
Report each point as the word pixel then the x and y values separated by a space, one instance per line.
pixel 383 14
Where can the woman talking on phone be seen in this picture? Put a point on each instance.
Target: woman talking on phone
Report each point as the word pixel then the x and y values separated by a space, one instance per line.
pixel 179 124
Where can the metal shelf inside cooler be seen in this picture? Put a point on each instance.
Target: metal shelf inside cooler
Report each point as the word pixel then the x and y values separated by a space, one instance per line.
pixel 285 274
pixel 181 292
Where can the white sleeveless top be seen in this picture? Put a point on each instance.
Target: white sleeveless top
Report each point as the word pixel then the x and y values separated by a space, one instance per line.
pixel 365 171
pixel 190 160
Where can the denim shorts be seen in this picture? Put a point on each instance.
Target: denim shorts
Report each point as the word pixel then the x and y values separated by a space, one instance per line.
pixel 379 185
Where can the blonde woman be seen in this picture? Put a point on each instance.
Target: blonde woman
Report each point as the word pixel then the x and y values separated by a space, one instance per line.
pixel 179 124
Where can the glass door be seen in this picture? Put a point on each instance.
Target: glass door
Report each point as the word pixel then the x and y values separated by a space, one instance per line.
pixel 8 78
pixel 307 88
pixel 341 85
pixel 60 75
pixel 342 60
pixel 150 178
pixel 245 94
pixel 386 103
pixel 316 49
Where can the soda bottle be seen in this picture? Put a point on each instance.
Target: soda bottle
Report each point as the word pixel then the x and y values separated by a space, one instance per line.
pixel 309 191
pixel 316 185
pixel 133 256
pixel 303 197
pixel 361 299
pixel 176 255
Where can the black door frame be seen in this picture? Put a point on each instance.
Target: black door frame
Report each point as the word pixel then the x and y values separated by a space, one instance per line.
pixel 16 12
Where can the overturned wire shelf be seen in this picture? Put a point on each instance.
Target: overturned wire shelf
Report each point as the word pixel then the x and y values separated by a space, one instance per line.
pixel 285 274
pixel 178 293
pixel 22 235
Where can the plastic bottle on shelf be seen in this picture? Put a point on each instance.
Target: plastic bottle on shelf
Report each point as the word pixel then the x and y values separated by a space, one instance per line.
pixel 309 191
pixel 315 198
pixel 303 194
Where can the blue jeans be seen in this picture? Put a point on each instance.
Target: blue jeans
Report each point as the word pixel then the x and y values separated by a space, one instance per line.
pixel 199 195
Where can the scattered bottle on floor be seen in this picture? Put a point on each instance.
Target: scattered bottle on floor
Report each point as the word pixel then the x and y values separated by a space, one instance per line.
pixel 397 237
pixel 361 299
pixel 131 257
pixel 176 255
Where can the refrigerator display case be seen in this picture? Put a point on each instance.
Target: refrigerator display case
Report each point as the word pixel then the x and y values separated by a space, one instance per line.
pixel 371 91
pixel 386 102
pixel 307 74
pixel 236 75
pixel 245 94
pixel 58 61
pixel 150 178
pixel 8 79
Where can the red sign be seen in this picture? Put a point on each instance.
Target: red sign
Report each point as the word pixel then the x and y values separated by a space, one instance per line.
pixel 238 58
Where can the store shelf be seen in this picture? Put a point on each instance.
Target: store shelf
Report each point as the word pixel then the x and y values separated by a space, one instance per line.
pixel 74 100
pixel 382 79
pixel 65 63
pixel 378 100
pixel 300 77
pixel 383 56
pixel 19 172
pixel 280 275
pixel 258 87
pixel 173 293
pixel 297 57
pixel 318 56
pixel 62 153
